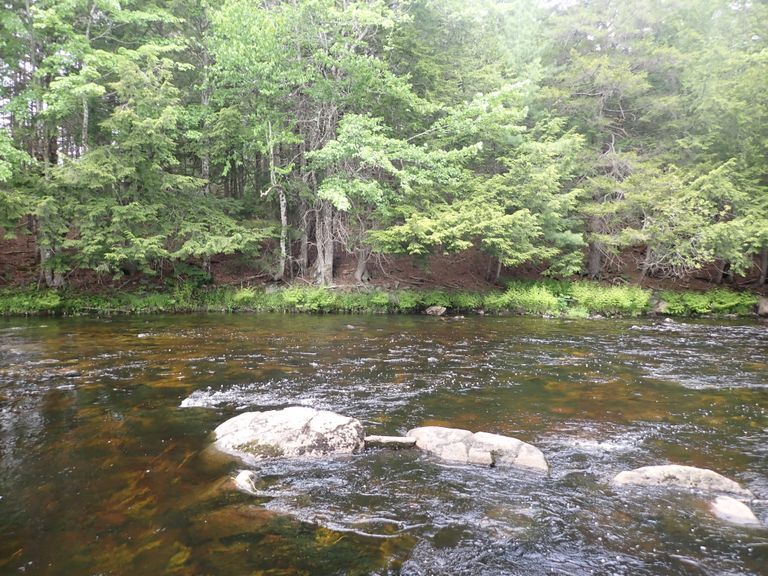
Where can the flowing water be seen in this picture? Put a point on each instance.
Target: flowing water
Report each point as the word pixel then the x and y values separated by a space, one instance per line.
pixel 104 426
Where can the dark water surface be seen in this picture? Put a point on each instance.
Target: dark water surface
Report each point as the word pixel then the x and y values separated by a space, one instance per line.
pixel 104 425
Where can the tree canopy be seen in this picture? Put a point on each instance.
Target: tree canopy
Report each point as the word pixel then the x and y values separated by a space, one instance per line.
pixel 580 137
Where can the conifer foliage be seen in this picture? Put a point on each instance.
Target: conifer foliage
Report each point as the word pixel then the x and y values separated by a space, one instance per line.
pixel 135 134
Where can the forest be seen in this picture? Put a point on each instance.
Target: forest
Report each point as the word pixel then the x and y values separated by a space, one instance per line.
pixel 584 137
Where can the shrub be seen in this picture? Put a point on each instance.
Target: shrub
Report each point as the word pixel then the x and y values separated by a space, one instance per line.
pixel 531 298
pixel 222 298
pixel 408 301
pixel 685 304
pixel 494 302
pixel 598 299
pixel 269 302
pixel 466 301
pixel 718 301
pixel 309 299
pixel 354 302
pixel 361 301
pixel 729 302
pixel 379 301
pixel 244 297
pixel 30 302
pixel 73 304
pixel 291 297
pixel 183 296
pixel 436 298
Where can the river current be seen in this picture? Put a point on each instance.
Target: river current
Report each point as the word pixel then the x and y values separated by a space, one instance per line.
pixel 105 424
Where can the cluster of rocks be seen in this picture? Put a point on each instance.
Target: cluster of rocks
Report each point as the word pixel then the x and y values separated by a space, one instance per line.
pixel 725 506
pixel 479 448
pixel 307 432
pixel 303 431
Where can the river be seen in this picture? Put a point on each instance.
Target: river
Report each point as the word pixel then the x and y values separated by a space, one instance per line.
pixel 104 425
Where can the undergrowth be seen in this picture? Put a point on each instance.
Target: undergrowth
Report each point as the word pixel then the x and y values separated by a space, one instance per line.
pixel 580 299
pixel 717 301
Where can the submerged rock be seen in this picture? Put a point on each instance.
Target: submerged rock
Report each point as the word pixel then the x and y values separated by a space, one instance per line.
pixel 69 373
pixel 479 448
pixel 246 481
pixel 734 511
pixel 682 476
pixel 392 442
pixel 295 431
pixel 436 310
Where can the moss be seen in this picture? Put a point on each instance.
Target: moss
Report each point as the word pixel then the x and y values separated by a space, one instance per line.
pixel 260 450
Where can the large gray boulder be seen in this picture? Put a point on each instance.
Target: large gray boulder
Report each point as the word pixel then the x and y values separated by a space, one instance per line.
pixel 459 445
pixel 295 431
pixel 680 476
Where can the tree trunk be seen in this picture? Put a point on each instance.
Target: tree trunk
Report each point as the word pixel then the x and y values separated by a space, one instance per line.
pixel 362 275
pixel 489 269
pixel 646 267
pixel 53 279
pixel 594 250
pixel 205 158
pixel 763 266
pixel 723 271
pixel 283 234
pixel 319 264
pixel 84 134
pixel 275 184
pixel 594 260
pixel 324 237
pixel 304 250
pixel 45 148
pixel 327 243
pixel 205 172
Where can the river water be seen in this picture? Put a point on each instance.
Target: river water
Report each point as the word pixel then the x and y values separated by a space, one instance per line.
pixel 104 425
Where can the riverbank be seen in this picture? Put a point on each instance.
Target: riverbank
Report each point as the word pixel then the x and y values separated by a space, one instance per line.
pixel 580 299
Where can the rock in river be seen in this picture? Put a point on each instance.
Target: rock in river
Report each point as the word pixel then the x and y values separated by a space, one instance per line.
pixel 295 431
pixel 734 511
pixel 478 448
pixel 246 481
pixel 436 310
pixel 681 476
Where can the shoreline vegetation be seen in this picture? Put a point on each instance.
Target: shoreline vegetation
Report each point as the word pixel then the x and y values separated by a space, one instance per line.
pixel 548 298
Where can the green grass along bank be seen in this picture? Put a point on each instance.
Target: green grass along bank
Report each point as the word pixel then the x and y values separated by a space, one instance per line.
pixel 581 299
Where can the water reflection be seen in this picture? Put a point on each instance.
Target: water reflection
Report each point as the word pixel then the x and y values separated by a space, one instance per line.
pixel 104 424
